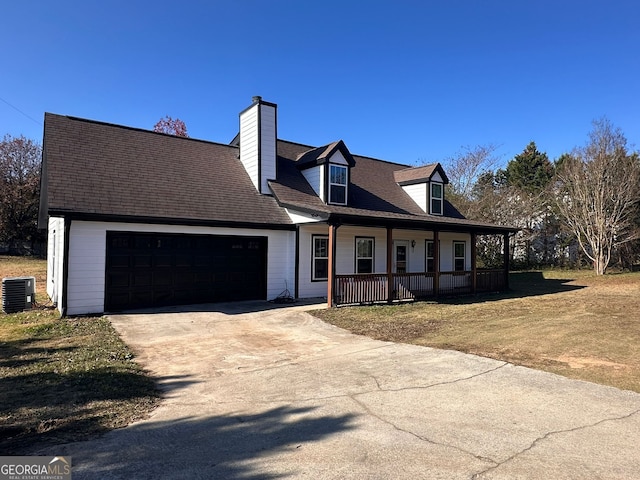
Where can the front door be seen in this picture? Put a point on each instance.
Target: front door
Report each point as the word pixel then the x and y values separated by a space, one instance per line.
pixel 400 256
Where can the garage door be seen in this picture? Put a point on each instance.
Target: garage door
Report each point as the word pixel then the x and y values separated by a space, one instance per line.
pixel 151 269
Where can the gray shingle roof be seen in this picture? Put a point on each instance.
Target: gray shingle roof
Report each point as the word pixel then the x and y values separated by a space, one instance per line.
pixel 374 193
pixel 99 169
pixel 411 175
pixel 103 169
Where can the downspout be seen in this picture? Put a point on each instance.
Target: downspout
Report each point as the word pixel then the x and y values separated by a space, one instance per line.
pixel 65 267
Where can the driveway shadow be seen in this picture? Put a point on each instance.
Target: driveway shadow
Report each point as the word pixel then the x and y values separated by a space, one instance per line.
pixel 226 446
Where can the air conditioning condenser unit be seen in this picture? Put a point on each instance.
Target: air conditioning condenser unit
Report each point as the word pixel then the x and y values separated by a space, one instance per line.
pixel 18 293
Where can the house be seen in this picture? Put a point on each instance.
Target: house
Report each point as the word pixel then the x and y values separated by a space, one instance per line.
pixel 142 219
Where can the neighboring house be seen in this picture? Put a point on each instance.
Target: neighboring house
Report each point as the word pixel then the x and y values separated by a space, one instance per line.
pixel 143 219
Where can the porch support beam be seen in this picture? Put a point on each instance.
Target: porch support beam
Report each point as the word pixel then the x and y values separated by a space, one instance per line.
pixel 474 269
pixel 331 280
pixel 436 263
pixel 506 257
pixel 389 264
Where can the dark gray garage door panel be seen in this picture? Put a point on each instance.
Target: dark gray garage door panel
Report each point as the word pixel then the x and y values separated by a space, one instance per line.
pixel 151 269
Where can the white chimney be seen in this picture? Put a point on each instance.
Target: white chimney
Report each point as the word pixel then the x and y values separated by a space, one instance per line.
pixel 258 134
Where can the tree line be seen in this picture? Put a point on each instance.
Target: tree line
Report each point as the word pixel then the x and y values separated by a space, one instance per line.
pixel 582 209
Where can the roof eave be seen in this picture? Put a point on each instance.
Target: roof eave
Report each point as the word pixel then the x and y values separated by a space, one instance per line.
pixel 420 223
pixel 196 222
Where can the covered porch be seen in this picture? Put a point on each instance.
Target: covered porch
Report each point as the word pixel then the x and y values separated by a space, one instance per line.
pixel 397 284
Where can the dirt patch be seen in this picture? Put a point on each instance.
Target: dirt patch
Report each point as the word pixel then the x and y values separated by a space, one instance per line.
pixel 586 362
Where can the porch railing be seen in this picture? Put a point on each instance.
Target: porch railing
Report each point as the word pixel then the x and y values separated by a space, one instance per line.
pixel 374 288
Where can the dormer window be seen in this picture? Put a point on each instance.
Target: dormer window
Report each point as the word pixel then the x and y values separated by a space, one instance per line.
pixel 436 198
pixel 338 184
pixel 327 169
pixel 425 186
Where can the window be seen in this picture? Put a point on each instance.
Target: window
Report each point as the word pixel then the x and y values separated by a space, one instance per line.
pixel 436 198
pixel 429 265
pixel 337 184
pixel 459 249
pixel 320 258
pixel 364 255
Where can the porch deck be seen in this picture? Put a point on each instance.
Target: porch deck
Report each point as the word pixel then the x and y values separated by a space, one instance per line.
pixel 362 289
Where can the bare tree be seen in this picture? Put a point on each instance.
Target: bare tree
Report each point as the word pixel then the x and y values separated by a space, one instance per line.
pixel 598 193
pixel 464 168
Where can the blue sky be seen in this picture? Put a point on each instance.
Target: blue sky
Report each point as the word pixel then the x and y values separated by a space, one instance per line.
pixel 407 81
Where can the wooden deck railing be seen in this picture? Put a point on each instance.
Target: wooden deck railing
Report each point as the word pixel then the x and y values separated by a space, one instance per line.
pixel 373 288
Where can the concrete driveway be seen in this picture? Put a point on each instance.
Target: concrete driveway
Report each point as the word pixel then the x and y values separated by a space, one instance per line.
pixel 255 392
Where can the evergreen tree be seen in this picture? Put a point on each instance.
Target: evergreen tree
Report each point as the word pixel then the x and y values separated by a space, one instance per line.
pixel 531 171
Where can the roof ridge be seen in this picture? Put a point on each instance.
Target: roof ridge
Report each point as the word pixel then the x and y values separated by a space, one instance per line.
pixel 355 155
pixel 136 129
pixel 432 164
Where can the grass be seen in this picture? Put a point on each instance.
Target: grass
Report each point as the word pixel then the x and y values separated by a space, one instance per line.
pixel 572 323
pixel 63 380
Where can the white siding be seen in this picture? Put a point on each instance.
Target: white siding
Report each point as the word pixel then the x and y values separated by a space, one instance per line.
pixel 315 177
pixel 415 254
pixel 267 145
pixel 345 257
pixel 307 288
pixel 436 177
pixel 346 248
pixel 55 255
pixel 338 158
pixel 446 249
pixel 87 247
pixel 418 252
pixel 86 276
pixel 302 217
pixel 418 194
pixel 249 135
pixel 258 144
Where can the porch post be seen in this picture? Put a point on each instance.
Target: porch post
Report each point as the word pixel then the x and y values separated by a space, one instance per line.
pixel 506 260
pixel 389 264
pixel 474 269
pixel 332 266
pixel 436 263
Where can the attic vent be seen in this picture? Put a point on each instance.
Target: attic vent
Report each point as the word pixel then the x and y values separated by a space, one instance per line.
pixel 17 293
